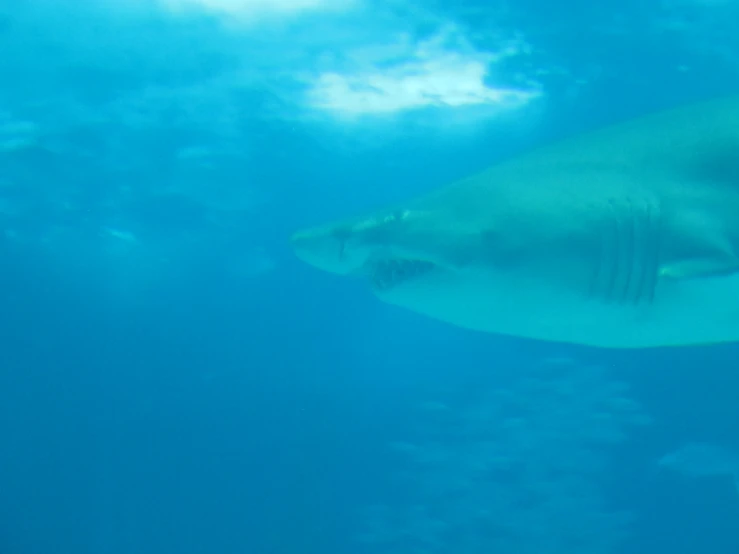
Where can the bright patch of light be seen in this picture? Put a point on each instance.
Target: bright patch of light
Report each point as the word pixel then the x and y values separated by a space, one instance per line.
pixel 430 76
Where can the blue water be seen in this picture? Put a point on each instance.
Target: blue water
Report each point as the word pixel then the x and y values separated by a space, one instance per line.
pixel 172 380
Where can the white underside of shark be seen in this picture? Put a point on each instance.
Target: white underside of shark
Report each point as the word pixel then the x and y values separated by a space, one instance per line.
pixel 535 310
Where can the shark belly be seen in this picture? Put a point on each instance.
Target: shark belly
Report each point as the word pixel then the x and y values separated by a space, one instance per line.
pixel 683 312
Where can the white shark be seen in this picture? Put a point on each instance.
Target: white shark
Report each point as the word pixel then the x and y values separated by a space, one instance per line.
pixel 627 237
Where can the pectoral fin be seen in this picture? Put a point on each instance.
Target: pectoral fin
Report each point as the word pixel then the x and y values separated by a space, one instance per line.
pixel 699 268
pixel 700 246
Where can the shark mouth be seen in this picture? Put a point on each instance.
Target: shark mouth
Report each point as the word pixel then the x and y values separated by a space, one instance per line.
pixel 388 274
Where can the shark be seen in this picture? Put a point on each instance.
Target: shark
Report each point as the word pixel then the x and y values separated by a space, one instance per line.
pixel 622 237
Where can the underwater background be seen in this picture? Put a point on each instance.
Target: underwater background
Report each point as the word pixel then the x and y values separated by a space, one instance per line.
pixel 173 380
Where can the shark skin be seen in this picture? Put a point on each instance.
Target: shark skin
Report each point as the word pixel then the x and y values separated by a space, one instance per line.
pixel 626 237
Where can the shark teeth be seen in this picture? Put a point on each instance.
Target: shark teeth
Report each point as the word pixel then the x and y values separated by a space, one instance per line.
pixel 387 274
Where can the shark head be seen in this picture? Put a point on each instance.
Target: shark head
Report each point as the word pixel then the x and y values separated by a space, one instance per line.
pixel 395 251
pixel 436 260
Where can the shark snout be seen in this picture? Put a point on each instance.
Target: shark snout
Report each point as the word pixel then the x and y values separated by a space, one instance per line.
pixel 350 246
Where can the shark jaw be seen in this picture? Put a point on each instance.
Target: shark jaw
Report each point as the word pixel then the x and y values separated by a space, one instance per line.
pixel 390 250
pixel 385 268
